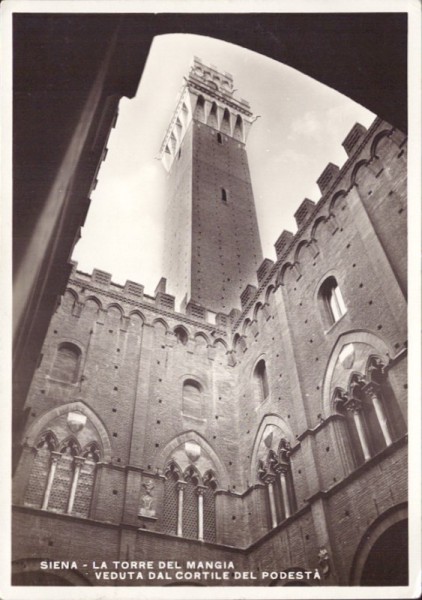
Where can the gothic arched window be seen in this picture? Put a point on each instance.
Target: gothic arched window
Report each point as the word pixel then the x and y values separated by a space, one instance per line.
pixel 67 362
pixel 181 335
pixel 370 408
pixel 189 503
pixel 223 195
pixel 62 476
pixel 275 472
pixel 260 380
pixel 331 301
pixel 200 109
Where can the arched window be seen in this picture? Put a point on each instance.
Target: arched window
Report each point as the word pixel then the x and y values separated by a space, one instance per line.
pixel 66 364
pixel 275 472
pixel 212 120
pixel 219 138
pixel 223 195
pixel 238 129
pixel 62 475
pixel 260 380
pixel 331 301
pixel 226 125
pixel 192 399
pixel 181 335
pixel 371 411
pixel 189 503
pixel 200 109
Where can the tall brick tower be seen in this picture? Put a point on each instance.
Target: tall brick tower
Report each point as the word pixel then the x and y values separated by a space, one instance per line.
pixel 213 247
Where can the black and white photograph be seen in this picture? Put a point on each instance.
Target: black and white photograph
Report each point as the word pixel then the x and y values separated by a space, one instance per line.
pixel 210 254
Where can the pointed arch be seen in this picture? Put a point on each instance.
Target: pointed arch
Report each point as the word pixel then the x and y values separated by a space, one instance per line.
pixel 220 341
pixel 394 515
pixel 270 290
pixel 267 421
pixel 192 436
pixel 212 119
pixel 238 129
pixel 302 244
pixel 42 422
pixel 200 336
pixel 199 113
pixel 226 122
pixel 115 306
pixel 70 446
pixel 282 273
pixel 356 336
pixel 340 194
pixel 377 139
pixel 182 334
pixel 162 322
pixel 359 165
pixel 318 222
pixel 93 304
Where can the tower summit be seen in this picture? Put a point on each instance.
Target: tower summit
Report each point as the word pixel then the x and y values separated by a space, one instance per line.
pixel 212 244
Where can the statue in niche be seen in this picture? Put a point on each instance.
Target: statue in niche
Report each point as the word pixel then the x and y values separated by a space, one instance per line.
pixel 147 499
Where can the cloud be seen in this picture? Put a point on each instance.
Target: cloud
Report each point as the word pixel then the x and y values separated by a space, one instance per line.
pixel 307 125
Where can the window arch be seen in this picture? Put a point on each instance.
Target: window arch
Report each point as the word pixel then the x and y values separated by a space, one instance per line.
pixel 260 381
pixel 331 301
pixel 67 363
pixel 226 124
pixel 189 503
pixel 200 109
pixel 275 472
pixel 181 335
pixel 62 473
pixel 369 406
pixel 219 138
pixel 192 400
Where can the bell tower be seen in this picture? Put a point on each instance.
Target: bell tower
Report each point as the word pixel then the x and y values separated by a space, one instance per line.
pixel 212 244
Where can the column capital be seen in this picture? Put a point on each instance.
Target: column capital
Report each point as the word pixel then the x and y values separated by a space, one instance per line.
pixel 180 485
pixel 269 479
pixel 55 456
pixel 78 460
pixel 281 467
pixel 354 405
pixel 371 389
pixel 200 489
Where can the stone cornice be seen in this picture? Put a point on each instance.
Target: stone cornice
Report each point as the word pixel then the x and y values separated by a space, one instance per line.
pixel 144 306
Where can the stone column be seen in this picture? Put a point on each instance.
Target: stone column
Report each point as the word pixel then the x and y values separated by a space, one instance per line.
pixel 55 457
pixel 285 492
pixel 78 462
pixel 269 481
pixel 356 407
pixel 379 411
pixel 180 486
pixel 200 493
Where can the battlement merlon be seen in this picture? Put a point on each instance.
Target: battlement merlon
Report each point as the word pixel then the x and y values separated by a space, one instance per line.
pixel 206 97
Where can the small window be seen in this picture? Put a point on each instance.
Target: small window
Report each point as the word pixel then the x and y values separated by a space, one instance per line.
pixel 261 380
pixel 66 364
pixel 219 138
pixel 331 300
pixel 192 399
pixel 223 195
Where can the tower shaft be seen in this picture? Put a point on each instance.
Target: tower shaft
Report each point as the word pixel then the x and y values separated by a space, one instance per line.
pixel 212 240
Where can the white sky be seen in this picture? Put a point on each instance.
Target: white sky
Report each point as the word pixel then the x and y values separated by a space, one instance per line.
pixel 301 127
